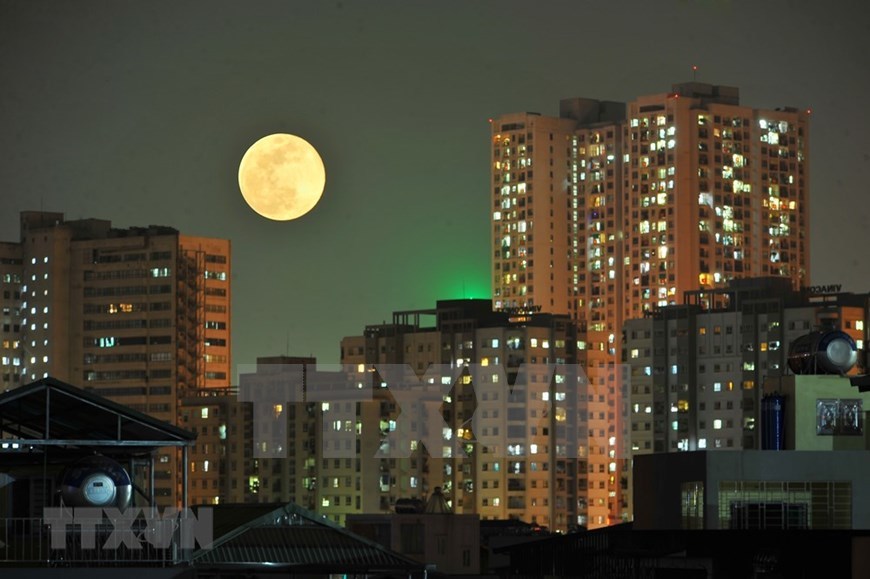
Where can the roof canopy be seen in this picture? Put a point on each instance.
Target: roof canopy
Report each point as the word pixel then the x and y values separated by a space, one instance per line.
pixel 52 413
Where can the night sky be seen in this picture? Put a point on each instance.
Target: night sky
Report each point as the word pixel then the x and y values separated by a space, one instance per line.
pixel 139 112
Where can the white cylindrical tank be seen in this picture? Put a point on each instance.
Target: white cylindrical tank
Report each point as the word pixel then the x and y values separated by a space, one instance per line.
pixel 96 481
pixel 831 352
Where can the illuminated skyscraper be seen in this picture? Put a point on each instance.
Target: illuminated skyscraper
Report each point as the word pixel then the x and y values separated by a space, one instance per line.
pixel 670 193
pixel 138 315
pixel 610 211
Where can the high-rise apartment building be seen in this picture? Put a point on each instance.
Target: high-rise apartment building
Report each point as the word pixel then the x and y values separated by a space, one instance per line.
pixel 138 315
pixel 10 330
pixel 221 463
pixel 495 416
pixel 242 455
pixel 537 468
pixel 648 200
pixel 613 210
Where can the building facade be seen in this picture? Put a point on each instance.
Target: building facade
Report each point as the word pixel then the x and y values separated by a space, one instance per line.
pixel 138 315
pixel 492 418
pixel 612 210
pixel 603 192
pixel 515 443
pixel 697 369
pixel 753 490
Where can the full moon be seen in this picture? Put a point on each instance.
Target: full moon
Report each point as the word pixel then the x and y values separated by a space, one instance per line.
pixel 282 177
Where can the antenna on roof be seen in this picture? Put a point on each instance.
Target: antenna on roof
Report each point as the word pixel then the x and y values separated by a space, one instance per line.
pixel 694 72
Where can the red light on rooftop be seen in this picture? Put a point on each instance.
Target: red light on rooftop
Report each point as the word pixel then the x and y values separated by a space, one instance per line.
pixel 809 111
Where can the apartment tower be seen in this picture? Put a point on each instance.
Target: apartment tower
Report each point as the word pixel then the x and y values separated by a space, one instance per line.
pixel 612 210
pixel 138 315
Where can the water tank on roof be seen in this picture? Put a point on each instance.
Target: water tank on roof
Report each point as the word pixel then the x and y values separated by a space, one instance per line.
pixel 96 481
pixel 831 352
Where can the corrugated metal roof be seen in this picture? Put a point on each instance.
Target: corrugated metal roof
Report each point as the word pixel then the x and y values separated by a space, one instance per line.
pixel 290 536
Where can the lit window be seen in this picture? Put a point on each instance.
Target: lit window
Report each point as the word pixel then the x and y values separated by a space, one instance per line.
pixel 204 412
pixel 717 424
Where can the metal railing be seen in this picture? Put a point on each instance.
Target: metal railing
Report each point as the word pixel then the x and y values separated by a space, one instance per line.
pixel 33 542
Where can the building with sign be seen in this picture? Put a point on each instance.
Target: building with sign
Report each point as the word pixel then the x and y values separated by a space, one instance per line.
pixel 697 369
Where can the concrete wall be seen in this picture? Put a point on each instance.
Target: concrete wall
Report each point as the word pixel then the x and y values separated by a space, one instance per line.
pixel 658 479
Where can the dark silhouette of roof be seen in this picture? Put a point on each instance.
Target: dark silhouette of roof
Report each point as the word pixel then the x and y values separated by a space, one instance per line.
pixel 53 413
pixel 289 537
